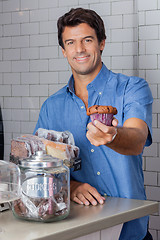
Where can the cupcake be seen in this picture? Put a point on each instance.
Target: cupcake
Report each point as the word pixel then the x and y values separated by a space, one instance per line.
pixel 104 114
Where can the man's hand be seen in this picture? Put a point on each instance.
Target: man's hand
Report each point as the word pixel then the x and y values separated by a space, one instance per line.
pixel 100 134
pixel 83 193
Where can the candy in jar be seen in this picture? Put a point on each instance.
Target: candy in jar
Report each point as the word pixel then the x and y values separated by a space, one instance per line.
pixel 45 187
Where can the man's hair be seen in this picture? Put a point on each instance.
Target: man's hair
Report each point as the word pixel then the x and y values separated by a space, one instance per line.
pixel 80 15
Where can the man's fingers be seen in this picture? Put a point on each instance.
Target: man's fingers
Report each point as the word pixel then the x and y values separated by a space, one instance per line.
pixel 115 122
pixel 97 196
pixel 76 199
pixel 83 199
pixel 94 128
pixel 101 126
pixel 90 198
pixel 86 194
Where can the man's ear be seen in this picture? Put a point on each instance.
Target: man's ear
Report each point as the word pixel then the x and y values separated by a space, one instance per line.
pixel 64 52
pixel 102 45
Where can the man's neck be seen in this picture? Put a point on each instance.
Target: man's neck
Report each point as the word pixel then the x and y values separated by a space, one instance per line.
pixel 81 82
pixel 81 90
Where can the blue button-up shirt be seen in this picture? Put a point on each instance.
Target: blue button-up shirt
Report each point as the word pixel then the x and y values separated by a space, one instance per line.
pixel 109 172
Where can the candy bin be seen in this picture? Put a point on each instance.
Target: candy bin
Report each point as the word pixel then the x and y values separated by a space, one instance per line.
pixel 45 189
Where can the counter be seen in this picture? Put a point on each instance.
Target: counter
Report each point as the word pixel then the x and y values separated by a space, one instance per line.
pixel 82 220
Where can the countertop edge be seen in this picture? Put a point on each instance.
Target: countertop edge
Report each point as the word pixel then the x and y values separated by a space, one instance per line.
pixel 103 223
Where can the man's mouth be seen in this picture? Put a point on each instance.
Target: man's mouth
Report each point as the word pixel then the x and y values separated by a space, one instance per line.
pixel 82 58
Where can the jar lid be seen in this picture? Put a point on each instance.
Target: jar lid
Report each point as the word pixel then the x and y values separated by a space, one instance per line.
pixel 40 160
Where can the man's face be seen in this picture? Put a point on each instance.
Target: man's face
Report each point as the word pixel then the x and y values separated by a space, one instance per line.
pixel 82 49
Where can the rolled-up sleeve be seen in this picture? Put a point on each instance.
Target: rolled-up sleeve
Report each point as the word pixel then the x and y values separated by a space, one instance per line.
pixel 138 103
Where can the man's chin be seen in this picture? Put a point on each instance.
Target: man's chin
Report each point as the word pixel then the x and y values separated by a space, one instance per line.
pixel 84 71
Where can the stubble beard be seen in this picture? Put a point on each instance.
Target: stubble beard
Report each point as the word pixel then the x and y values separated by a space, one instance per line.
pixel 89 70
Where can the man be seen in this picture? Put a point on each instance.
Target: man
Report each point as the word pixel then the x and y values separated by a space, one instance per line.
pixel 111 156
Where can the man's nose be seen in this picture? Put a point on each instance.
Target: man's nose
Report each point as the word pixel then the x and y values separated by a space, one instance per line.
pixel 80 47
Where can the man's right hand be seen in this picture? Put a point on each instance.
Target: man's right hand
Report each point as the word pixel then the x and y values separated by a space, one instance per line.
pixel 83 193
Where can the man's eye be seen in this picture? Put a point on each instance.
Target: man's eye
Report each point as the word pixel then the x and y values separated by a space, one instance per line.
pixel 69 43
pixel 88 40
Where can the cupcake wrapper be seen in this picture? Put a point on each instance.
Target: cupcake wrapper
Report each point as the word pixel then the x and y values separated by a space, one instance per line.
pixel 105 118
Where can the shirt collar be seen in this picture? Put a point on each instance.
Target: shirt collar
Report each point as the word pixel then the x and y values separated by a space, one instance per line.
pixel 100 80
pixel 70 85
pixel 98 83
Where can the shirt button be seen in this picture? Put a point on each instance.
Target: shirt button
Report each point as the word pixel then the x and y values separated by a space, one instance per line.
pixel 92 150
pixel 82 107
pixel 100 93
pixel 98 173
pixel 105 194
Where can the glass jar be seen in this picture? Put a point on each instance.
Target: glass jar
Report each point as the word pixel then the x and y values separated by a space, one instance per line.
pixel 45 186
pixel 10 188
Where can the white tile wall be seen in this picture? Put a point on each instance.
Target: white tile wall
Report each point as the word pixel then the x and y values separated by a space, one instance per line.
pixel 152 76
pixel 155 120
pixel 41 90
pixel 0 31
pixel 11 78
pixel 20 90
pixel 20 115
pixel 1 79
pixel 30 102
pixel 11 54
pixel 152 17
pixel 49 52
pixel 130 20
pixel 147 5
pixel 29 28
pixel 30 53
pixel 30 78
pixel 113 49
pixel 11 29
pixel 101 8
pixel 19 42
pixel 20 66
pixel 150 178
pixel 0 55
pixel 153 193
pixel 32 66
pixel 20 17
pixel 155 222
pixel 55 13
pixel 11 6
pixel 123 62
pixel 29 4
pixel 5 42
pixel 12 102
pixel 148 62
pixel 112 22
pixel 5 18
pixel 48 27
pixel 148 32
pixel 49 77
pixel 152 47
pixel 122 35
pixel 39 15
pixel 5 66
pixel 38 40
pixel 122 7
pixel 38 65
pixel 130 48
pixel 48 4
pixel 5 90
